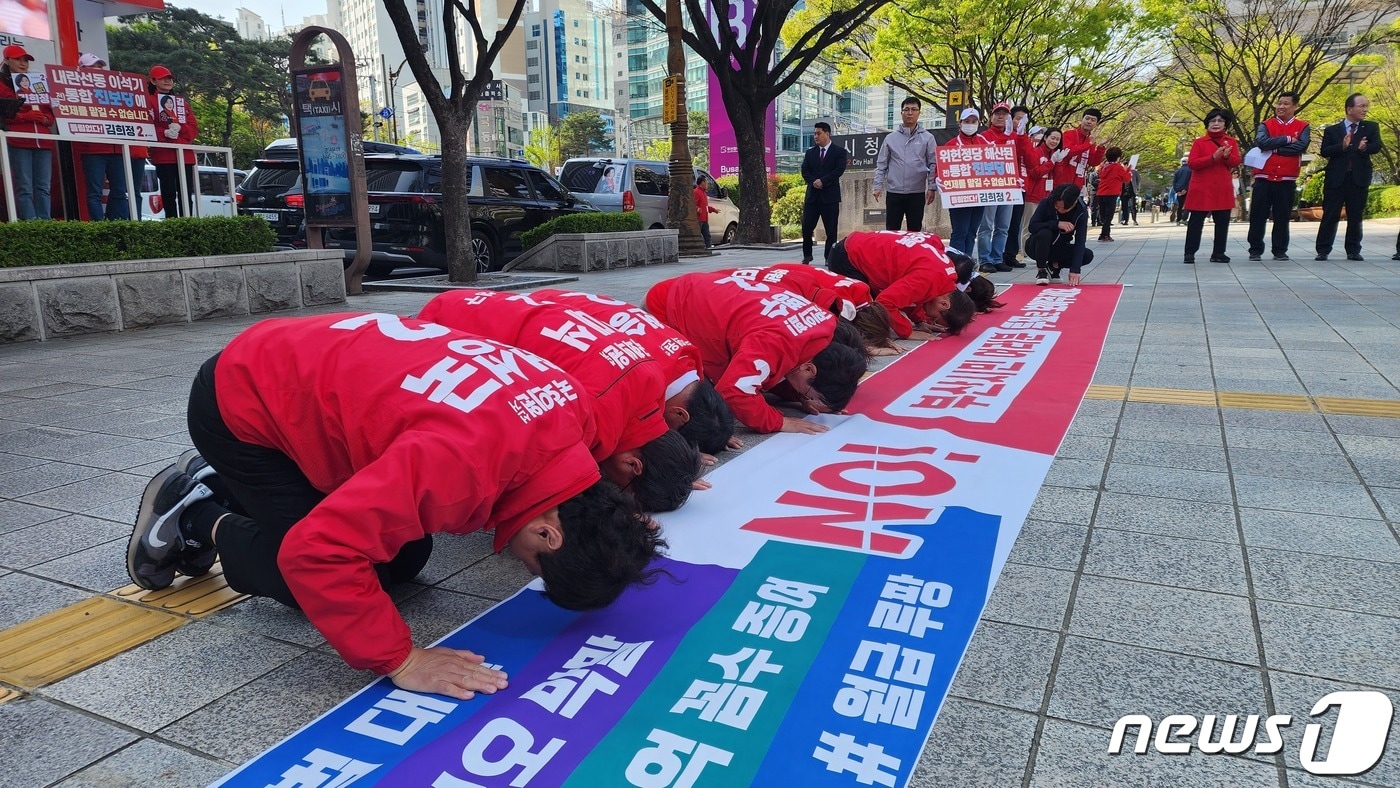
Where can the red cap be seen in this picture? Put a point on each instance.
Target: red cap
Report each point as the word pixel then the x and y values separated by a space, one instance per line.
pixel 1001 105
pixel 15 50
pixel 160 72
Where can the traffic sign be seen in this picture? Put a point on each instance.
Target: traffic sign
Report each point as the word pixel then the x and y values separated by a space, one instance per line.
pixel 386 113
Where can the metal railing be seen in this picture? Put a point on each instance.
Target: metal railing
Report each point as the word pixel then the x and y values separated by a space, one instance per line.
pixel 132 192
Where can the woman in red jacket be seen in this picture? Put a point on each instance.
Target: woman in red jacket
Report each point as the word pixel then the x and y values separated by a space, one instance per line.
pixel 1040 168
pixel 1112 176
pixel 1211 190
pixel 171 127
pixel 31 160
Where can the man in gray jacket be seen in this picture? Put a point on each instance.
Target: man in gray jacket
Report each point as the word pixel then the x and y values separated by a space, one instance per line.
pixel 906 169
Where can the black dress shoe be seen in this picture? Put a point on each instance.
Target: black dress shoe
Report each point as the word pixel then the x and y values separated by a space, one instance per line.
pixel 1320 257
pixel 1282 257
pixel 1190 259
pixel 806 261
pixel 1358 258
pixel 1395 256
pixel 1015 264
pixel 1254 258
pixel 1219 259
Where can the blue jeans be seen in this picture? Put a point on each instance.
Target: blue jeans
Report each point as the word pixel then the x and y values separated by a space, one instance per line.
pixel 965 223
pixel 31 170
pixel 98 167
pixel 991 237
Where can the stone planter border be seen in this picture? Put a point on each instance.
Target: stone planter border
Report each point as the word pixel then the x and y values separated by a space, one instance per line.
pixel 43 302
pixel 583 252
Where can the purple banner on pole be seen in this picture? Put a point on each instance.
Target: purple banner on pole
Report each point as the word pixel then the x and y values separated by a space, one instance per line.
pixel 724 144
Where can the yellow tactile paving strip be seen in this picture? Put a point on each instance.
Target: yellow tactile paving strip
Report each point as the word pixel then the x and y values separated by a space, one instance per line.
pixel 76 637
pixel 1379 408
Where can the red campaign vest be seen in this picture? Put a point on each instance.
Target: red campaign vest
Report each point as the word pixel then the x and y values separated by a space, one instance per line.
pixel 1282 167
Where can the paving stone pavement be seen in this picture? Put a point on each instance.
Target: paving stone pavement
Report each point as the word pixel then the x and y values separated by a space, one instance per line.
pixel 1179 560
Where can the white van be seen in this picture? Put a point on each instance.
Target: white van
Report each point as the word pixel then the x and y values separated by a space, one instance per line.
pixel 618 184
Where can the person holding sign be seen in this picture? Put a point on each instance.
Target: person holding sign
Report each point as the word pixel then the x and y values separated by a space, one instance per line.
pixel 175 123
pixel 995 226
pixel 1284 138
pixel 1212 190
pixel 331 448
pixel 102 164
pixel 966 220
pixel 1058 231
pixel 631 440
pixel 754 338
pixel 31 160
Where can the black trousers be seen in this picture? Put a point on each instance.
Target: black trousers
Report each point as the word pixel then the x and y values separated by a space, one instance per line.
pixel 705 234
pixel 169 177
pixel 900 207
pixel 276 495
pixel 1107 203
pixel 1047 254
pixel 1270 200
pixel 1196 223
pixel 1129 208
pixel 1013 234
pixel 1351 197
pixel 828 212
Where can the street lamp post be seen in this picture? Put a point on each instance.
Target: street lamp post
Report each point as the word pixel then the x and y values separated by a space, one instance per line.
pixel 394 120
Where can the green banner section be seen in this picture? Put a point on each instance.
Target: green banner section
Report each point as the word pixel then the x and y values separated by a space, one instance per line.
pixel 708 717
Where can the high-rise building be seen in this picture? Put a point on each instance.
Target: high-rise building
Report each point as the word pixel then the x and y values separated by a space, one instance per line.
pixel 568 58
pixel 250 26
pixel 639 66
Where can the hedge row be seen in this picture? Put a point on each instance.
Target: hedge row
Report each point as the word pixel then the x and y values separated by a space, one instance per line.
pixel 583 223
pixel 60 243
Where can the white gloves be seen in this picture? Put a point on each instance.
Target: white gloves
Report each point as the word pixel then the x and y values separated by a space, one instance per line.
pixel 1010 124
pixel 172 132
pixel 1059 155
pixel 1021 127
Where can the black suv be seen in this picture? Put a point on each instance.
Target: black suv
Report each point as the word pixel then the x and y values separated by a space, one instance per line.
pixel 506 198
pixel 272 191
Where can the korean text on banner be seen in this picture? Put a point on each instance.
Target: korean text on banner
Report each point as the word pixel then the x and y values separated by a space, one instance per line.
pixel 975 175
pixel 97 103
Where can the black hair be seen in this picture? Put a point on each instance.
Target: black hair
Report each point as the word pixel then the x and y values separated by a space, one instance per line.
pixel 983 294
pixel 1065 193
pixel 1092 111
pixel 1297 99
pixel 1113 154
pixel 1351 100
pixel 822 125
pixel 873 323
pixel 1046 135
pixel 699 178
pixel 670 464
pixel 1022 108
pixel 711 423
pixel 1223 114
pixel 608 544
pixel 911 100
pixel 964 264
pixel 839 368
pixel 959 313
pixel 847 335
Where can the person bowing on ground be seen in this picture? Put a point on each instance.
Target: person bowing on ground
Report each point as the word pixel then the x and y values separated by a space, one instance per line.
pixel 911 275
pixel 754 338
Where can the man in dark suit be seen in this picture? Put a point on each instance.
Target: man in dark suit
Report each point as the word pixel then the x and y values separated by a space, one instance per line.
pixel 821 169
pixel 1348 146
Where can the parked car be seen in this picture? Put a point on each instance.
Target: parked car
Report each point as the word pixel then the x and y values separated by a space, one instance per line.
pixel 286 148
pixel 214 196
pixel 264 194
pixel 506 198
pixel 619 184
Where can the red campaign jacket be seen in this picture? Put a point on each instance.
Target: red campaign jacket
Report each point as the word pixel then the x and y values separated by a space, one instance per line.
pixel 1282 166
pixel 1211 188
pixel 679 359
pixel 1083 156
pixel 827 289
pixel 1112 176
pixel 410 429
pixel 188 131
pixel 749 334
pixel 905 269
pixel 1040 173
pixel 29 120
pixel 624 379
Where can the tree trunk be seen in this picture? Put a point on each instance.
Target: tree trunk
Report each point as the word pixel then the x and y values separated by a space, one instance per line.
pixel 457 228
pixel 755 212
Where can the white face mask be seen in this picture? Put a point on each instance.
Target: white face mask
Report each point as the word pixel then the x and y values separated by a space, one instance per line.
pixel 969 128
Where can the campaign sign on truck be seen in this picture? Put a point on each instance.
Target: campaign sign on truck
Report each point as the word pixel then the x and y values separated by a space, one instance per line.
pixel 98 103
pixel 973 175
pixel 809 617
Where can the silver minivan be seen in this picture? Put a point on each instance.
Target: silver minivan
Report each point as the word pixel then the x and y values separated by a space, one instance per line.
pixel 619 184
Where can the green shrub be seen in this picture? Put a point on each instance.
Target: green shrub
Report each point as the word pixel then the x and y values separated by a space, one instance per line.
pixel 583 223
pixel 792 231
pixel 730 184
pixel 61 243
pixel 1312 190
pixel 788 208
pixel 1390 201
pixel 787 183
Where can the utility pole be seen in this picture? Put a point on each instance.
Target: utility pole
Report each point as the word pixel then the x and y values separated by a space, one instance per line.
pixel 681 213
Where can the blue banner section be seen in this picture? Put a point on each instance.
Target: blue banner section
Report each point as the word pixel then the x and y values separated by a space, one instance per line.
pixel 872 695
pixel 368 734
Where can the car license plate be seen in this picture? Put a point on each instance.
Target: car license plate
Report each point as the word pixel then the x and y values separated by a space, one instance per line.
pixel 373 208
pixel 270 218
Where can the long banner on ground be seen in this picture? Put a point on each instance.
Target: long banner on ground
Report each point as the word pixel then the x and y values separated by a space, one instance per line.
pixel 813 610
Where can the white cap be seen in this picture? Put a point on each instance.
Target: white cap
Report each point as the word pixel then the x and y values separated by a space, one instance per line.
pixel 969 113
pixel 88 60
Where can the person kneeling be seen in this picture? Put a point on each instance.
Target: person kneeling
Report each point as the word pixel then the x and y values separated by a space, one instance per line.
pixel 1057 235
